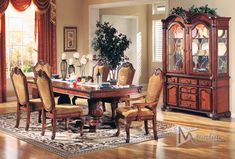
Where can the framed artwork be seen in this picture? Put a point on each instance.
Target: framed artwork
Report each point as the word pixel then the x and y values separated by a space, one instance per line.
pixel 70 39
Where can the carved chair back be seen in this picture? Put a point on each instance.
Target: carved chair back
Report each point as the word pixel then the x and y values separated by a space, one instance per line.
pixel 126 74
pixel 20 85
pixel 154 86
pixel 103 69
pixel 41 65
pixel 44 85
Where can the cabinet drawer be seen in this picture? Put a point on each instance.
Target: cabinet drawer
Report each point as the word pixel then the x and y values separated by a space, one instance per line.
pixel 188 97
pixel 187 81
pixel 205 83
pixel 186 89
pixel 188 104
pixel 172 94
pixel 172 80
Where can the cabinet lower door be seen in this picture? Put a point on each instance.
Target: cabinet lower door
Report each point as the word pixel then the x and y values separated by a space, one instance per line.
pixel 205 99
pixel 172 95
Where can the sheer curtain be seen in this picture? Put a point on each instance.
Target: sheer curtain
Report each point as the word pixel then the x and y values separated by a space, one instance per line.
pixel 45 25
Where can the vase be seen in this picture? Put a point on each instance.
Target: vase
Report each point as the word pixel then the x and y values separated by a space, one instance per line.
pixel 63 69
pixel 82 71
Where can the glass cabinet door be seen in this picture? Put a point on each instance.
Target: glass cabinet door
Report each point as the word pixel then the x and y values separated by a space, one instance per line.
pixel 175 48
pixel 222 51
pixel 200 49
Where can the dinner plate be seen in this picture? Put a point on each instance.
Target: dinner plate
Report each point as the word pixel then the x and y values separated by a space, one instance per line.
pixel 222 48
pixel 179 32
pixel 220 33
pixel 205 32
pixel 194 48
pixel 205 47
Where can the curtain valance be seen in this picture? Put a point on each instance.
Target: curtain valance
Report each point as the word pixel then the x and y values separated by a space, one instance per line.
pixel 22 5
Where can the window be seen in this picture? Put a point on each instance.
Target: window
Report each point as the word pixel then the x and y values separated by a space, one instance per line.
pixel 157 40
pixel 20 39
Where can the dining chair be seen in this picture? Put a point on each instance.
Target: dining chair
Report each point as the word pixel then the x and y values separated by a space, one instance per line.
pixel 125 75
pixel 141 111
pixel 101 67
pixel 19 82
pixel 52 110
pixel 42 65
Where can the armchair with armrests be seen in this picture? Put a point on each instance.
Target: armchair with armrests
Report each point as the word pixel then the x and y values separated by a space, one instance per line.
pixel 125 75
pixel 141 111
pixel 50 109
pixel 19 82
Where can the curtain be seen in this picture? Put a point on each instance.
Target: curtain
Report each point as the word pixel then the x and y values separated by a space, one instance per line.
pixel 2 62
pixel 45 25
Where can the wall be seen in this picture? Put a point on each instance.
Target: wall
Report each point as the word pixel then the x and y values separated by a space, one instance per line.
pixel 224 8
pixel 68 14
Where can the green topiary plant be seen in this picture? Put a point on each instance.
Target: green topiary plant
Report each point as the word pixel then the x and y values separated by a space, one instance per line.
pixel 110 45
pixel 193 10
pixel 202 9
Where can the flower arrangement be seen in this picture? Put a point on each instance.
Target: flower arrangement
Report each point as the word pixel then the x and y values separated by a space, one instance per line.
pixel 82 62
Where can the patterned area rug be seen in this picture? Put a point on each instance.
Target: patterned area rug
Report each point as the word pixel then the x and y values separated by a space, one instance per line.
pixel 69 143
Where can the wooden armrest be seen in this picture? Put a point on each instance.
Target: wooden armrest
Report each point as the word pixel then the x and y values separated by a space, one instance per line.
pixel 152 105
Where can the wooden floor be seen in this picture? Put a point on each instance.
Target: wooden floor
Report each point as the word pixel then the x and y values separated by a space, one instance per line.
pixel 165 148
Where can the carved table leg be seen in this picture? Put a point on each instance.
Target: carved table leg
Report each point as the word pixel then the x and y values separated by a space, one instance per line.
pixel 95 111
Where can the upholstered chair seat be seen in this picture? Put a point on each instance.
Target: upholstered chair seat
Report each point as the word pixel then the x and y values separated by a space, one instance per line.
pixel 133 112
pixel 23 103
pixel 50 109
pixel 141 111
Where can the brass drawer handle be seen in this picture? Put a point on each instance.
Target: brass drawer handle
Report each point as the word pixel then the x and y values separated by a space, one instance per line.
pixel 188 81
pixel 188 97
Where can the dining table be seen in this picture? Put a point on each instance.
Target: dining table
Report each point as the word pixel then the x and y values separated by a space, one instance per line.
pixel 93 93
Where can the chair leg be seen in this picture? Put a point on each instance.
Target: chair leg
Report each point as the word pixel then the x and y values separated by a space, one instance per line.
pixel 28 119
pixel 43 122
pixel 117 126
pixel 66 125
pixel 127 126
pixel 82 125
pixel 39 116
pixel 103 104
pixel 53 127
pixel 18 116
pixel 146 127
pixel 155 128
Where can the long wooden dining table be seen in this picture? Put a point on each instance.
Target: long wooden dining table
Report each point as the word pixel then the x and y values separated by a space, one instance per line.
pixel 93 94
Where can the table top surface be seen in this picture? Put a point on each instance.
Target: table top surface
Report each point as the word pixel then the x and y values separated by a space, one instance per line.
pixel 88 87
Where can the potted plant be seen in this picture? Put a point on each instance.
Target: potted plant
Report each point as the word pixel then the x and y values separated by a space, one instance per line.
pixel 110 45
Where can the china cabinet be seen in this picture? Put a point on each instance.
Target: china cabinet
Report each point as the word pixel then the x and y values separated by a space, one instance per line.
pixel 195 64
